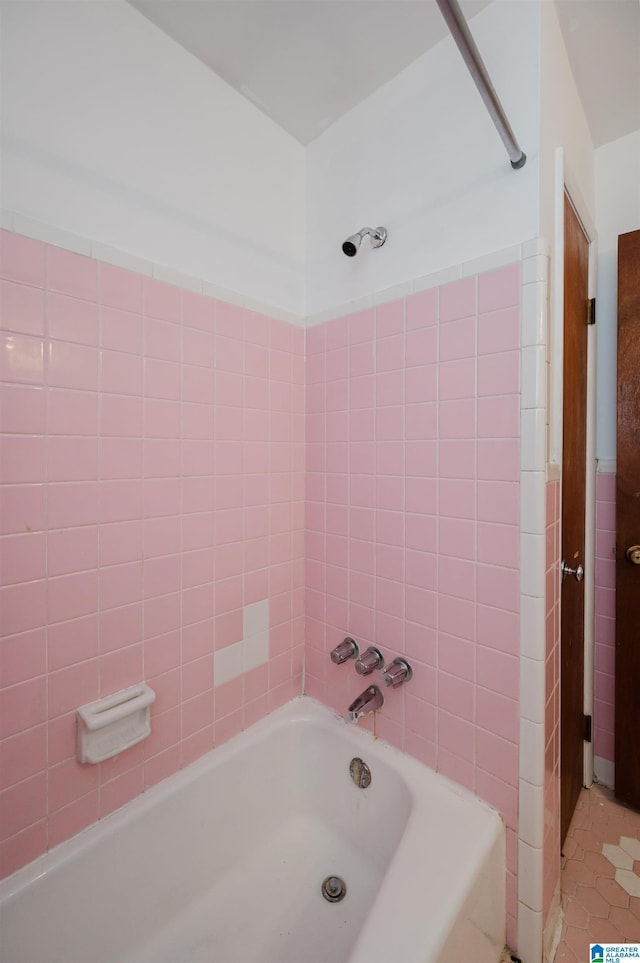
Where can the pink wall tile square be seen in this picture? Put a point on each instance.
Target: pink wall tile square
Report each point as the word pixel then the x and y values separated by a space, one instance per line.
pixel 70 596
pixel 69 781
pixel 22 805
pixel 23 607
pixel 22 359
pixel 457 459
pixel 499 288
pixel 120 288
pixel 497 714
pixel 498 671
pixel 72 550
pixel 390 319
pixel 421 421
pixel 23 657
pixel 22 259
pixel 72 274
pixel 457 419
pixel 198 311
pixel 71 319
pixel 119 500
pixel 72 412
pixel 22 557
pixel 422 309
pixel 119 791
pixel 72 366
pixel 72 458
pixel 457 379
pixel 421 533
pixel 161 654
pixel 337 333
pixel 457 339
pixel 120 415
pixel 360 328
pixel 22 409
pixel 72 686
pixel 499 374
pixel 497 756
pixel 23 706
pixel 121 373
pixel 160 300
pixel 121 330
pixel 456 576
pixel 159 767
pixel 499 331
pixel 421 458
pixel 498 587
pixel 458 300
pixel 499 417
pixel 390 353
pixel 162 339
pixel 23 755
pixel 120 669
pixel 499 460
pixel 456 657
pixel 72 642
pixel 120 585
pixel 22 309
pixel 456 617
pixel 162 379
pixel 422 347
pixel 361 359
pixel 72 503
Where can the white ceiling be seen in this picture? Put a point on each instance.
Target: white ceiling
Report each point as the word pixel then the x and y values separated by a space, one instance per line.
pixel 306 62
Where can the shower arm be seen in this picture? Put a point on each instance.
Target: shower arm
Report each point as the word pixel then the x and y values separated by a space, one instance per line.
pixel 454 17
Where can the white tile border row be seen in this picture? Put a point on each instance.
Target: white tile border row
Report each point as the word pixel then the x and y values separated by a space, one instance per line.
pixel 534 383
pixel 48 234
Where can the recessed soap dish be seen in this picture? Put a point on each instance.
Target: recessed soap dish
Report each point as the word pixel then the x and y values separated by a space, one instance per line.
pixel 110 725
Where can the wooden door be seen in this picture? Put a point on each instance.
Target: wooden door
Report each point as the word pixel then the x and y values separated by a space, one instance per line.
pixel 574 466
pixel 627 743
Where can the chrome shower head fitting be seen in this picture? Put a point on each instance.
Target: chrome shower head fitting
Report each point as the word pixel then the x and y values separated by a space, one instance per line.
pixel 378 236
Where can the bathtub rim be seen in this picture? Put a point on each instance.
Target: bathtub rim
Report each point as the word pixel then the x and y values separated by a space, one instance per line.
pixel 300 710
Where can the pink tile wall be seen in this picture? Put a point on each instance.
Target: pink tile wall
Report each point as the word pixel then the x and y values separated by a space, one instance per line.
pixel 152 484
pixel 605 611
pixel 413 461
pixel 551 841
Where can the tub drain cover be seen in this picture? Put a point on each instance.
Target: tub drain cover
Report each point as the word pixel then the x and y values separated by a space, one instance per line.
pixel 334 889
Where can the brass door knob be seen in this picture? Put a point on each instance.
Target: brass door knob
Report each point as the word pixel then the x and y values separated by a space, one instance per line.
pixel 633 554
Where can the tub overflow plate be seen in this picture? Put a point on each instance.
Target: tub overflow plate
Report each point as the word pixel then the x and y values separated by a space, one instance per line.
pixel 360 773
pixel 334 889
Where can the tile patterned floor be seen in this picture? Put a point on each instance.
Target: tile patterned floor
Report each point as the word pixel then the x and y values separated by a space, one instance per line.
pixel 600 876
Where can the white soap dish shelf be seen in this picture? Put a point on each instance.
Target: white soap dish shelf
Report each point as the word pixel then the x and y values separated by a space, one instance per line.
pixel 110 725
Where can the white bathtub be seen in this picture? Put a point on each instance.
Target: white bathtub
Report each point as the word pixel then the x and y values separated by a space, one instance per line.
pixel 224 863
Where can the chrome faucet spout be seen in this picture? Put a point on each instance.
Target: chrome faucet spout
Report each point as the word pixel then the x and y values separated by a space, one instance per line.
pixel 368 701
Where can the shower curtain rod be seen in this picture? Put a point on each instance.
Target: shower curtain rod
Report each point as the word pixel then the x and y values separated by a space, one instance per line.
pixel 450 10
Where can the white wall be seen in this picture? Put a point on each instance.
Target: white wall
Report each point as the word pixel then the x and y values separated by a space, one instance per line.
pixel 421 157
pixel 617 178
pixel 115 133
pixel 563 123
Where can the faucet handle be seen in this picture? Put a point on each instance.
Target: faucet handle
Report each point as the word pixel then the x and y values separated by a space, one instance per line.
pixel 369 660
pixel 347 649
pixel 397 672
